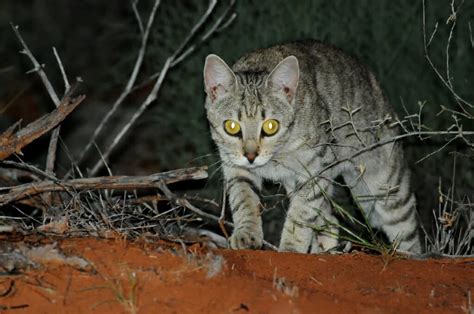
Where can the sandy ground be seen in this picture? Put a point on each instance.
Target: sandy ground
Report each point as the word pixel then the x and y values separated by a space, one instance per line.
pixel 162 278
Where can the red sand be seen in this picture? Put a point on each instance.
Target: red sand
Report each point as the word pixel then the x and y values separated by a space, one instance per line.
pixel 159 278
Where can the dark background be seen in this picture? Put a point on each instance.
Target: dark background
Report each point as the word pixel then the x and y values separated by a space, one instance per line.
pixel 98 41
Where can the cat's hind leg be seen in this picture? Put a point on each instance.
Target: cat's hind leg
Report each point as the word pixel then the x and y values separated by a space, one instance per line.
pixel 383 192
pixel 309 214
pixel 327 240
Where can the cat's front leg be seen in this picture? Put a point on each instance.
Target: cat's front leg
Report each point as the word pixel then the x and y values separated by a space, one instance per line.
pixel 309 225
pixel 243 189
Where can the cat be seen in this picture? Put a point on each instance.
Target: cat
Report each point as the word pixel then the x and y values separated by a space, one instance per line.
pixel 302 114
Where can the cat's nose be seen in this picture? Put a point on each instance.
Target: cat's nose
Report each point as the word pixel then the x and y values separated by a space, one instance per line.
pixel 251 157
pixel 250 150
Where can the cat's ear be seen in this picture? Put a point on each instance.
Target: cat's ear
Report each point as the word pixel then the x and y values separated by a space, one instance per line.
pixel 284 78
pixel 218 77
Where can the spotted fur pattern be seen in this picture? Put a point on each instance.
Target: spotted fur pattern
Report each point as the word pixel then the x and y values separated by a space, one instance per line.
pixel 331 111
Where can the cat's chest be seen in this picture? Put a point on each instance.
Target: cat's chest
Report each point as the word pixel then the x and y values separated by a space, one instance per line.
pixel 274 171
pixel 295 166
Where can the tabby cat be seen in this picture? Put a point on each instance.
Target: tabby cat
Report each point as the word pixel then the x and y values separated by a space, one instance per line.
pixel 302 114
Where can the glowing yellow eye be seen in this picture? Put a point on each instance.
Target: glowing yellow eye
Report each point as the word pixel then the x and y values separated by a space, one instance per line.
pixel 270 127
pixel 232 127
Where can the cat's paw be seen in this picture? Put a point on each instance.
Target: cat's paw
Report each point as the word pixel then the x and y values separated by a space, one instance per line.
pixel 324 244
pixel 246 239
pixel 292 248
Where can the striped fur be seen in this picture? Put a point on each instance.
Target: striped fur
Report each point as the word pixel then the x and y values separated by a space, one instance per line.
pixel 311 97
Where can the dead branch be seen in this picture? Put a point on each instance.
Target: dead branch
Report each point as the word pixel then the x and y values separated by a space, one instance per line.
pixel 13 143
pixel 24 167
pixel 67 85
pixel 38 68
pixel 102 183
pixel 10 177
pixel 53 142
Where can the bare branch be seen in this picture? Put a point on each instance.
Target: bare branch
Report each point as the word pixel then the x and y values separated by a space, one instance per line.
pixel 453 20
pixel 458 133
pixel 151 97
pixel 351 121
pixel 461 102
pixel 470 35
pixel 52 149
pixel 53 142
pixel 222 22
pixel 195 29
pixel 67 86
pixel 51 157
pixel 137 16
pixel 26 167
pixel 128 87
pixel 37 67
pixel 102 183
pixel 13 143
pixel 437 150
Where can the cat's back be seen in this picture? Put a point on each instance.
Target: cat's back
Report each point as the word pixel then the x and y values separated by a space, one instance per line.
pixel 312 55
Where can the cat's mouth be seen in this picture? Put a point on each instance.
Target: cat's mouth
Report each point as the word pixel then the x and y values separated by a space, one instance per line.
pixel 258 161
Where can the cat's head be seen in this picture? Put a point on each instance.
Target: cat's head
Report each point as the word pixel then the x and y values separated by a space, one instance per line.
pixel 250 113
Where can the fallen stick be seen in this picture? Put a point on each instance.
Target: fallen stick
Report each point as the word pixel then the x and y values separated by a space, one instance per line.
pixel 20 192
pixel 11 142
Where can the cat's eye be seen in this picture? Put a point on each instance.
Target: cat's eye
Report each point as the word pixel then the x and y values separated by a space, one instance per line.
pixel 232 127
pixel 270 127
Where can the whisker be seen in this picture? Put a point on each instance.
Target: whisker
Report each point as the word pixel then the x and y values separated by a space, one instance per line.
pixel 202 157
